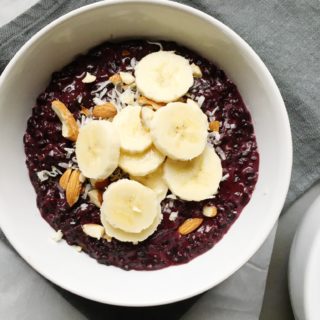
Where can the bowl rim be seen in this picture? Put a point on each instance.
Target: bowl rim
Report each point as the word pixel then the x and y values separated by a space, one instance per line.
pixel 282 113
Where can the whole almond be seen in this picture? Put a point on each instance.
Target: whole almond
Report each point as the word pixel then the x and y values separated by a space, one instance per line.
pixel 64 179
pixel 190 225
pixel 104 111
pixel 73 189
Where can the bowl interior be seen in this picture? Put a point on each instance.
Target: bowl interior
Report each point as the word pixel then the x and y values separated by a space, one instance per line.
pixel 27 75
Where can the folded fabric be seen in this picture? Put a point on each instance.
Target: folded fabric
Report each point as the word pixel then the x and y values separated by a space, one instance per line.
pixel 285 35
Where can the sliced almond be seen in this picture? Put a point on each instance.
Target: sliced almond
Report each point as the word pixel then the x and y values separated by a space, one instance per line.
pixel 93 230
pixel 214 126
pixel 196 71
pixel 89 78
pixel 144 101
pixel 115 79
pixel 85 111
pixel 190 225
pixel 73 189
pixel 95 197
pixel 70 129
pixel 99 184
pixel 127 77
pixel 210 211
pixel 104 111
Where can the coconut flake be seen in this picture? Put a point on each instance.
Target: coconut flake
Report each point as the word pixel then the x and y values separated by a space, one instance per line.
pixel 221 153
pixel 200 100
pixel 86 191
pixel 173 215
pixel 101 86
pixel 225 177
pixel 97 101
pixel 70 151
pixel 63 165
pixel 156 43
pixel 45 174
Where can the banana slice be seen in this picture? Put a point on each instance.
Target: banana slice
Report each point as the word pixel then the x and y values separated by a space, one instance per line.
pixel 97 149
pixel 133 237
pixel 163 76
pixel 155 182
pixel 194 180
pixel 134 137
pixel 179 130
pixel 129 206
pixel 141 164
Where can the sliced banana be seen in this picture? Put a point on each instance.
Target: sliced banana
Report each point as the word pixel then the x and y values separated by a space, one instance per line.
pixel 179 130
pixel 129 206
pixel 141 164
pixel 146 117
pixel 155 182
pixel 194 180
pixel 134 137
pixel 163 76
pixel 97 149
pixel 133 237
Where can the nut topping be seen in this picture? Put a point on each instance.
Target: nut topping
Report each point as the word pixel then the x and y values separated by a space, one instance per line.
pixel 104 111
pixel 70 129
pixel 190 225
pixel 115 79
pixel 214 126
pixel 64 179
pixel 144 101
pixel 209 211
pixel 73 188
pixel 93 230
pixel 95 197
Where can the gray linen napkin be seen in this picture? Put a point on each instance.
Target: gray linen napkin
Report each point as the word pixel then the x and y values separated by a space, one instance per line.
pixel 286 36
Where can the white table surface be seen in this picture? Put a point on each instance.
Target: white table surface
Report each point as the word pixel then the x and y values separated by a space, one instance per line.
pixel 276 304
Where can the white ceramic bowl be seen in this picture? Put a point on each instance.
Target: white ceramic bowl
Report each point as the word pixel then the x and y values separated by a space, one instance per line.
pixel 304 266
pixel 54 46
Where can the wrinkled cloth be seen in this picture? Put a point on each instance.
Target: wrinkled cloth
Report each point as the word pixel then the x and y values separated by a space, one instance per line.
pixel 285 34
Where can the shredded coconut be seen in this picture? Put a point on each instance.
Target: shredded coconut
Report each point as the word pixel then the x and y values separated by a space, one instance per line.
pixel 171 196
pixel 70 87
pixel 221 153
pixel 156 43
pixel 173 216
pixel 63 165
pixel 200 100
pixel 101 86
pixel 86 190
pixel 225 177
pixel 97 101
pixel 83 206
pixel 45 174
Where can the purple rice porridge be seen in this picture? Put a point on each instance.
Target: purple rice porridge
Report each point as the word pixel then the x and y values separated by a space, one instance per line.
pixel 49 154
